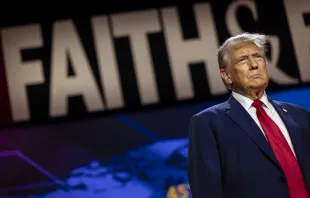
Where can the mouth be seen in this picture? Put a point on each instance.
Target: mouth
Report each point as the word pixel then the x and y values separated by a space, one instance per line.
pixel 256 76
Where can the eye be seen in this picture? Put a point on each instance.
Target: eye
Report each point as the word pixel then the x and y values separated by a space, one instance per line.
pixel 242 59
pixel 258 56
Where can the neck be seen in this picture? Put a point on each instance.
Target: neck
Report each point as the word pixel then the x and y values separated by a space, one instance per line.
pixel 252 94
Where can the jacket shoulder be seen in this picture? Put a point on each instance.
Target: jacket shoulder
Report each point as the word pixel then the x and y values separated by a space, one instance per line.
pixel 296 111
pixel 212 110
pixel 292 107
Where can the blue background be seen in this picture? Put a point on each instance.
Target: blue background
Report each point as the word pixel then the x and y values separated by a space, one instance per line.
pixel 141 155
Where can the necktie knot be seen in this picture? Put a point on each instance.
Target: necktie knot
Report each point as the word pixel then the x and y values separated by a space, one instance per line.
pixel 257 104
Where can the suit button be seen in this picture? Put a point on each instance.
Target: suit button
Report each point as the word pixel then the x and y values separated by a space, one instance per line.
pixel 282 178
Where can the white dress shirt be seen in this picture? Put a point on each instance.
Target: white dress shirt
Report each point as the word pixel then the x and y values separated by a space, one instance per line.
pixel 270 110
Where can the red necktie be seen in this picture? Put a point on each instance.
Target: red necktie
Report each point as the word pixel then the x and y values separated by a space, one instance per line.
pixel 283 153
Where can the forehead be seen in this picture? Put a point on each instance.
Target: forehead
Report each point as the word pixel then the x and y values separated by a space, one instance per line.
pixel 246 49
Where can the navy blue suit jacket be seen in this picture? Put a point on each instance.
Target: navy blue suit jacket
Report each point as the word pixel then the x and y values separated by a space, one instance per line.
pixel 229 157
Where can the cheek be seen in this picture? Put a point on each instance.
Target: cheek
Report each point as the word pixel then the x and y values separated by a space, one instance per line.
pixel 239 75
pixel 263 67
pixel 241 78
pixel 265 72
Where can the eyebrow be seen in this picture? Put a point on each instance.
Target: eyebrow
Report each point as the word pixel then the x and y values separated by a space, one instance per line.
pixel 247 54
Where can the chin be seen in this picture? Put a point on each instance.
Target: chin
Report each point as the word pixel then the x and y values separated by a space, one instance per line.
pixel 259 85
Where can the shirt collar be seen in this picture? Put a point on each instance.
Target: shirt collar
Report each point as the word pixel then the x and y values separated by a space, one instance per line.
pixel 247 102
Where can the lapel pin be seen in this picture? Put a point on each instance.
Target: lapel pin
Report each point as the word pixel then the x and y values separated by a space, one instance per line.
pixel 284 110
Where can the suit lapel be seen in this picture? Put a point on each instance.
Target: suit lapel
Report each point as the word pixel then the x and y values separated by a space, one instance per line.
pixel 294 132
pixel 241 117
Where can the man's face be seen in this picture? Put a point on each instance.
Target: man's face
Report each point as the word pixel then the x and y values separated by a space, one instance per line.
pixel 247 69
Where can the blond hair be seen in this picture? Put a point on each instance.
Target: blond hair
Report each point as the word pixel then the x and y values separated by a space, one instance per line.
pixel 223 53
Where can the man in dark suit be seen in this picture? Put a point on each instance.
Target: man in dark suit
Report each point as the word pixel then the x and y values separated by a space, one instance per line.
pixel 249 146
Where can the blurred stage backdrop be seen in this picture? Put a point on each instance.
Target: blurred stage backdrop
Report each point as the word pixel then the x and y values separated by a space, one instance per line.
pixel 96 102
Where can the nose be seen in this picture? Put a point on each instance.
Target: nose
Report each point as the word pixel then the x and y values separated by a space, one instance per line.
pixel 252 62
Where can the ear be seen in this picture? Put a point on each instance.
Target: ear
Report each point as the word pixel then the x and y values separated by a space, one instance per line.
pixel 226 77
